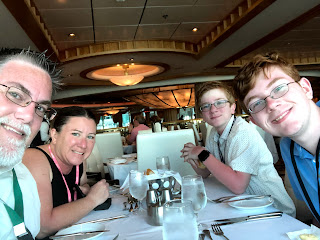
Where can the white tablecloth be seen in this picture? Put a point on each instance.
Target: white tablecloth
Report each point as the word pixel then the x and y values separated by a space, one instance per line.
pixel 135 227
pixel 121 171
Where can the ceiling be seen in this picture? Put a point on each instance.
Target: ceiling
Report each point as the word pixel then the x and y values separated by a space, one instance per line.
pixel 159 32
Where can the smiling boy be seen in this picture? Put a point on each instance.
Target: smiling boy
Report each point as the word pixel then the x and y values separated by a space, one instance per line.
pixel 280 102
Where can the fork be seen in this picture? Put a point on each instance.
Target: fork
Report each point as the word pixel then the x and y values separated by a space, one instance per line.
pixel 221 199
pixel 217 231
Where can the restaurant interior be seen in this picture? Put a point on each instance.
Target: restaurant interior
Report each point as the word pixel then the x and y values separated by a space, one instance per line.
pixel 120 58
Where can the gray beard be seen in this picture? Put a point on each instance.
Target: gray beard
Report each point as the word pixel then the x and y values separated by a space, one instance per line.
pixel 10 157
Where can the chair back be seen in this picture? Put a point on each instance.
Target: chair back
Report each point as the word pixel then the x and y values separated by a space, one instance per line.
pixel 95 163
pixel 109 145
pixel 153 145
pixel 192 126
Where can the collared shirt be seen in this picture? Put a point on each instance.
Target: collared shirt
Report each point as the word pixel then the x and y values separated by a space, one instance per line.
pixel 244 150
pixel 306 165
pixel 31 201
pixel 135 130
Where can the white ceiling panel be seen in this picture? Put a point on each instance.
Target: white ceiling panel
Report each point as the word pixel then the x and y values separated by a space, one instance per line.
pixel 67 18
pixel 171 3
pixel 114 3
pixel 123 16
pixel 186 28
pixel 163 31
pixel 83 33
pixel 61 4
pixel 118 33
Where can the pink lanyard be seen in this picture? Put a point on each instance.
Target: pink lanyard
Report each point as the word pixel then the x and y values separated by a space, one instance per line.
pixel 65 182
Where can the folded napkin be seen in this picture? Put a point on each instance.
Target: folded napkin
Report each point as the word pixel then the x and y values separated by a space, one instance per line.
pixel 313 230
pixel 174 174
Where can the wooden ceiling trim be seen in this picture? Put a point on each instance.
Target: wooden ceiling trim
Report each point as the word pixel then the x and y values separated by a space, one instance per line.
pixel 125 47
pixel 29 19
pixel 236 60
pixel 237 18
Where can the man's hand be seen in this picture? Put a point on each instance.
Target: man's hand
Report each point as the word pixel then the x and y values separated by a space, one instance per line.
pixel 190 154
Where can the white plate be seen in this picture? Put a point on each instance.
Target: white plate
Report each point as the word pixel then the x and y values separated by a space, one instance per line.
pixel 118 161
pixel 88 227
pixel 131 155
pixel 251 204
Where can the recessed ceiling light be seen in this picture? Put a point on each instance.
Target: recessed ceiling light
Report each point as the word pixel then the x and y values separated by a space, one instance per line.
pixel 195 29
pixel 72 35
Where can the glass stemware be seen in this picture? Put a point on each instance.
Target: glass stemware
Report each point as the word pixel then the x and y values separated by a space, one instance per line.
pixel 138 185
pixel 163 165
pixel 193 189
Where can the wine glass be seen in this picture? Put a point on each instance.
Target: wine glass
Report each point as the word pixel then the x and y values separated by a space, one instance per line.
pixel 163 165
pixel 193 189
pixel 138 185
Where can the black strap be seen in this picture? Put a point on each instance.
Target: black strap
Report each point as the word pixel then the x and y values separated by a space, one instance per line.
pixel 220 153
pixel 303 188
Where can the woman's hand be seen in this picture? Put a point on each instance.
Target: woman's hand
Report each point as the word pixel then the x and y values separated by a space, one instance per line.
pixel 99 192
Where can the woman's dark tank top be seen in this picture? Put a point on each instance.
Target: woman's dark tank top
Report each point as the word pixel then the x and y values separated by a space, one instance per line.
pixel 59 191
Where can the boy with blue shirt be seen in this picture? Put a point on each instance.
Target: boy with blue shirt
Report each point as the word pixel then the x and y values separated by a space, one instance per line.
pixel 279 101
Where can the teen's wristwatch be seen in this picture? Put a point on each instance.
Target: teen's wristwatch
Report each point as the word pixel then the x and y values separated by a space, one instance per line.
pixel 203 155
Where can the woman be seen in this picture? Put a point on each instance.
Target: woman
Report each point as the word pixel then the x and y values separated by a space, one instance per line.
pixel 59 166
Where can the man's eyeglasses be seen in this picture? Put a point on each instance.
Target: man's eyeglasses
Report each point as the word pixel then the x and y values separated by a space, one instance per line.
pixel 218 104
pixel 275 93
pixel 23 99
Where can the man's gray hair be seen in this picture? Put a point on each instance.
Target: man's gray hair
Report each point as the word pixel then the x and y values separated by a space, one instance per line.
pixel 35 58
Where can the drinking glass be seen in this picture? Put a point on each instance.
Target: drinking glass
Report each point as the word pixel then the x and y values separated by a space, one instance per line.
pixel 138 185
pixel 193 189
pixel 163 165
pixel 179 221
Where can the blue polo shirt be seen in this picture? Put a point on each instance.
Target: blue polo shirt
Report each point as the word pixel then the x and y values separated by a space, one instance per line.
pixel 306 165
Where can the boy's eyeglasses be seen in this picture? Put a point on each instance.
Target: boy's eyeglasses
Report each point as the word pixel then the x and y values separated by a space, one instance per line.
pixel 218 104
pixel 275 93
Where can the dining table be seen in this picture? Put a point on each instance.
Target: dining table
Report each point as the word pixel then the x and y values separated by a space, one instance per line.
pixel 121 171
pixel 135 226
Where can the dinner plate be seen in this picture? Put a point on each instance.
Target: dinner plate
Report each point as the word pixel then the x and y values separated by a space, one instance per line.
pixel 252 203
pixel 118 161
pixel 131 155
pixel 88 227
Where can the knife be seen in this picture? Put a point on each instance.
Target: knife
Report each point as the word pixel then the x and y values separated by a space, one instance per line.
pixel 104 219
pixel 75 234
pixel 248 218
pixel 246 198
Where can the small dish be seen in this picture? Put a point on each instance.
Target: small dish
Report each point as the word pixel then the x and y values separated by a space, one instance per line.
pixel 252 203
pixel 118 161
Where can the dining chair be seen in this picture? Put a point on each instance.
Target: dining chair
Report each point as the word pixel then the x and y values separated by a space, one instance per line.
pixel 109 145
pixel 153 145
pixel 95 168
pixel 192 126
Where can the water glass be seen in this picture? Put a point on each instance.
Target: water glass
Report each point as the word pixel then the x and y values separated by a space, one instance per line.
pixel 138 185
pixel 163 165
pixel 192 188
pixel 179 221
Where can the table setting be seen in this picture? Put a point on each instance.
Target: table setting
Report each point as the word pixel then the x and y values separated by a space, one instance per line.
pixel 217 219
